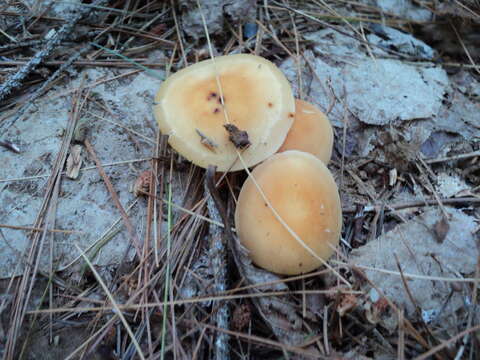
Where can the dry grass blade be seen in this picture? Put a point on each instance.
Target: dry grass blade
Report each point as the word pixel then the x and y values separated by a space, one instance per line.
pixel 25 286
pixel 168 279
pixel 447 343
pixel 113 302
pixel 407 275
pixel 131 61
pixel 467 52
pixel 146 138
pixel 29 228
pixel 215 298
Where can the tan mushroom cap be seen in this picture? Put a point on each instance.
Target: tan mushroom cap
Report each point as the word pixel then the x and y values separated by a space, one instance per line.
pixel 311 132
pixel 303 192
pixel 257 98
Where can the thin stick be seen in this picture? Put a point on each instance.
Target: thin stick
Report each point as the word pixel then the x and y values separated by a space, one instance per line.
pixel 475 66
pixel 474 201
pixel 473 307
pixel 168 260
pixel 179 34
pixel 407 275
pixel 116 200
pixel 29 228
pixel 264 341
pixel 194 300
pixel 146 138
pixel 95 83
pixel 455 157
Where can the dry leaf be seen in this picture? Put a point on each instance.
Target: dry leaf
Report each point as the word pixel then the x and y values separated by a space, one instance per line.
pixel 241 317
pixel 441 229
pixel 142 184
pixel 238 137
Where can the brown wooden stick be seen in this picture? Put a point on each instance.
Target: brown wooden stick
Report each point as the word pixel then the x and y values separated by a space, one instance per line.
pixel 453 201
pixel 116 200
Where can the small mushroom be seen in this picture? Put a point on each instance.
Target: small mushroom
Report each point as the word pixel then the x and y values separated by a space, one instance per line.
pixel 245 91
pixel 311 132
pixel 303 192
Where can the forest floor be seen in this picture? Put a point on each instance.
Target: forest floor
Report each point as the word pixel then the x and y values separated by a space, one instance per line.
pixel 93 267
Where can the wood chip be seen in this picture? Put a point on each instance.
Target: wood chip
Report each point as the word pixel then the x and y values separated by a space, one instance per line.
pixel 74 162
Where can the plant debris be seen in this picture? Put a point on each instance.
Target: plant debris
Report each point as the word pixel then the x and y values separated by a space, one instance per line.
pixel 74 162
pixel 239 138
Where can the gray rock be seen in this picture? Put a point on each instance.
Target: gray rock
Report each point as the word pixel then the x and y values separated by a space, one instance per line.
pixel 84 204
pixel 405 9
pixel 377 91
pixel 384 37
pixel 421 256
pixel 382 91
pixel 436 143
pixel 214 12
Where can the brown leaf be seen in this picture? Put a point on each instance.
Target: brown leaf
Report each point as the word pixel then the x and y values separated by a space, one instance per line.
pixel 441 229
pixel 142 184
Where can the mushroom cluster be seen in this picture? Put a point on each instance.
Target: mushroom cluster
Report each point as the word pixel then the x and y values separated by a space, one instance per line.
pixel 238 110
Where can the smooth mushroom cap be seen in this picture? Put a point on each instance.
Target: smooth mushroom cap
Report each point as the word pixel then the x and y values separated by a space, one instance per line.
pixel 257 99
pixel 303 192
pixel 311 132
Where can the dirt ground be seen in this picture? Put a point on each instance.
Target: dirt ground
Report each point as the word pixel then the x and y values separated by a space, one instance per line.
pixel 80 152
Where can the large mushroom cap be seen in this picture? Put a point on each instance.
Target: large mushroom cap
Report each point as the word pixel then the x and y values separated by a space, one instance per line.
pixel 257 99
pixel 311 132
pixel 303 192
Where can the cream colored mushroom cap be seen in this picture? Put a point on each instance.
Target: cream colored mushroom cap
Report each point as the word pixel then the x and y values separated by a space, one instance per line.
pixel 303 192
pixel 311 132
pixel 257 99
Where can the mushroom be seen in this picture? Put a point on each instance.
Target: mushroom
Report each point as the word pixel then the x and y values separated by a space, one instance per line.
pixel 206 107
pixel 303 192
pixel 311 132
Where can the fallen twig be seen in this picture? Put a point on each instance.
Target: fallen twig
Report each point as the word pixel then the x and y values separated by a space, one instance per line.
pixel 419 203
pixel 218 255
pixel 45 86
pixel 452 158
pixel 14 81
